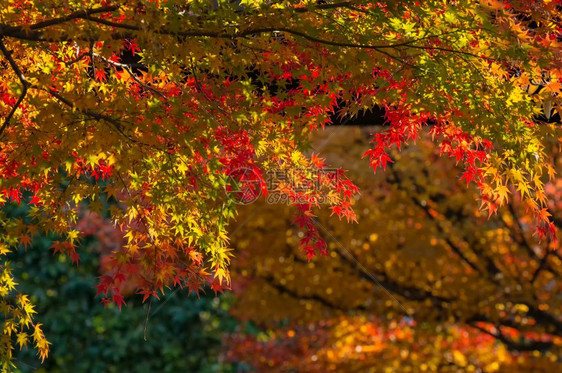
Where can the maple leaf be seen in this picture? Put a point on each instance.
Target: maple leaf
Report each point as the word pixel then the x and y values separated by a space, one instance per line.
pixel 218 287
pixel 194 286
pixel 468 175
pixel 25 240
pixel 117 298
pixel 101 75
pixel 22 339
pixel 35 200
pixel 543 215
pixel 147 293
pixel 502 192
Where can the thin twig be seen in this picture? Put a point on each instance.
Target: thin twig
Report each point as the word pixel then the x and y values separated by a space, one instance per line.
pixel 127 67
pixel 25 85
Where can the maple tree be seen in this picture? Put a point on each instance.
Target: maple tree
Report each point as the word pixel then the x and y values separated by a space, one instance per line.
pixel 149 108
pixel 85 337
pixel 425 282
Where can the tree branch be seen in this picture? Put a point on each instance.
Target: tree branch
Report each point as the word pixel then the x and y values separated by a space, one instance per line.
pixel 81 14
pixel 545 318
pixel 270 280
pixel 426 210
pixel 87 112
pixel 127 68
pixel 407 292
pixel 24 83
pixel 530 345
pixel 18 32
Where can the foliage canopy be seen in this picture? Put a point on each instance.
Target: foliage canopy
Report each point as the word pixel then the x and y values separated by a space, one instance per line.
pixel 147 107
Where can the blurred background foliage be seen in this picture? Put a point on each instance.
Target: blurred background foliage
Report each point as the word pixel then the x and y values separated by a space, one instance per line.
pixel 426 281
